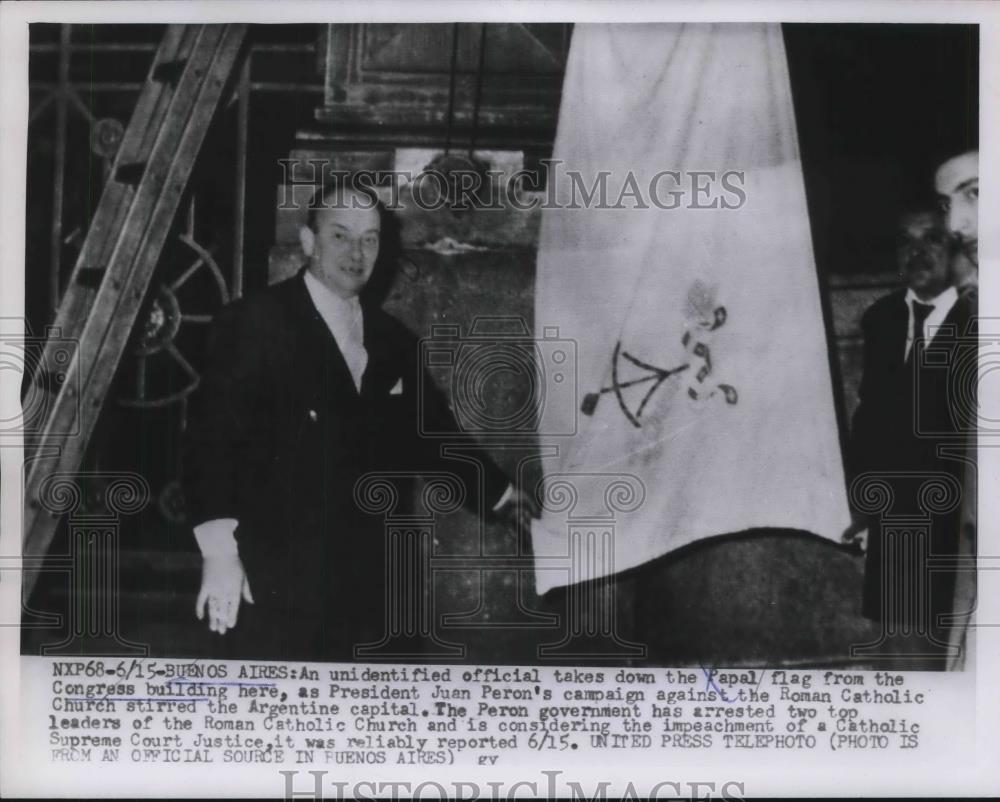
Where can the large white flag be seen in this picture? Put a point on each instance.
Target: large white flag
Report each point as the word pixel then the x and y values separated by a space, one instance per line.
pixel 702 368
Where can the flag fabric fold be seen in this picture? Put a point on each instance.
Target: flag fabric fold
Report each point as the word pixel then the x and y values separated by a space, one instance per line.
pixel 680 263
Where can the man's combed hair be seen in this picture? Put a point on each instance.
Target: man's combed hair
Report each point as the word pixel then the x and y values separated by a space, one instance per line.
pixel 340 191
pixel 942 155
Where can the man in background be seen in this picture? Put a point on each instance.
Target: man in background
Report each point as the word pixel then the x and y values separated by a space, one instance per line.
pixel 905 414
pixel 957 185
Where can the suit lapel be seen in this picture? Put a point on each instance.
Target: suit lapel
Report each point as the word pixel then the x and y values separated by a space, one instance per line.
pixel 325 354
pixel 384 367
pixel 899 330
pixel 955 322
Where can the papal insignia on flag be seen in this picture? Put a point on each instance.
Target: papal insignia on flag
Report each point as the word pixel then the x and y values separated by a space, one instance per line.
pixel 680 261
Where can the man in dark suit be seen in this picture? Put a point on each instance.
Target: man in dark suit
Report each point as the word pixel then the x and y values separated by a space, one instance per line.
pixel 907 427
pixel 309 385
pixel 956 182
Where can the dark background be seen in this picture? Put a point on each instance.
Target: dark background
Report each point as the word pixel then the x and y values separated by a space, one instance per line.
pixel 878 107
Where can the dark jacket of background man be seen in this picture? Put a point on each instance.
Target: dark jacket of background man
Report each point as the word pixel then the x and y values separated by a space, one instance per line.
pixel 911 408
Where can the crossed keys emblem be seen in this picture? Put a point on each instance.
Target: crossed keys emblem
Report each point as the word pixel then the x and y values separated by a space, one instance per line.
pixel 704 318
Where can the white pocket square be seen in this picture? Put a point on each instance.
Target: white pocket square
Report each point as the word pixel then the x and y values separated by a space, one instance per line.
pixel 397 388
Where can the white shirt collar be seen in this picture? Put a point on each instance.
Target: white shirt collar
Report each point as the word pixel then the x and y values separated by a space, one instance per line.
pixel 944 300
pixel 344 319
pixel 340 314
pixel 934 320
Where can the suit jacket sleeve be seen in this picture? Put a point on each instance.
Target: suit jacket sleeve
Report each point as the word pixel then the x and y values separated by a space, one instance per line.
pixel 863 423
pixel 231 418
pixel 438 417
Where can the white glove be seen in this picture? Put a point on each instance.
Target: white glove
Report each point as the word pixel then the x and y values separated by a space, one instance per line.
pixel 223 582
pixel 223 579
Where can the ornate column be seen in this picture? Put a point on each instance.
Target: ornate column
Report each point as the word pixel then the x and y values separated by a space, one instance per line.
pixel 94 504
pixel 904 505
pixel 591 503
pixel 411 620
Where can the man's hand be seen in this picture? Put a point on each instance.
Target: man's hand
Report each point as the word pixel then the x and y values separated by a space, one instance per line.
pixel 856 534
pixel 520 508
pixel 223 582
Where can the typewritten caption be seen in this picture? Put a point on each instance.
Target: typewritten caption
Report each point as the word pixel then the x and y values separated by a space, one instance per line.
pixel 166 712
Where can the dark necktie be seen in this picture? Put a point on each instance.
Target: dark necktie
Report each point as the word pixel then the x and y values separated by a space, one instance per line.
pixel 920 313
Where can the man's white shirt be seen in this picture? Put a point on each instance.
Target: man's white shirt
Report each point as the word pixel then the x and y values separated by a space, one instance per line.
pixel 942 306
pixel 344 319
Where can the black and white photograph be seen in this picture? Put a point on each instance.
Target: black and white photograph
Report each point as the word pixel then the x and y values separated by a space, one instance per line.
pixel 505 352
